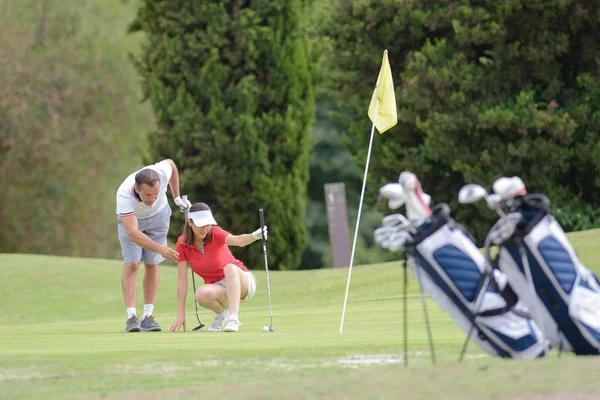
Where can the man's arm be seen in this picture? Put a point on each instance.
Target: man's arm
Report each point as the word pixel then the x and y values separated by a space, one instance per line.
pixel 130 223
pixel 174 185
pixel 174 181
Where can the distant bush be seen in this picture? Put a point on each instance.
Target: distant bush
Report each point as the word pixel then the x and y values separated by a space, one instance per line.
pixel 70 125
pixel 577 217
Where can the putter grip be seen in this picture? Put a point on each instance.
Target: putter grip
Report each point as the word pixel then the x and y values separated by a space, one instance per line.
pixel 262 225
pixel 184 197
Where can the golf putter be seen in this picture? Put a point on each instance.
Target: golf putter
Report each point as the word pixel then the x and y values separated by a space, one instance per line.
pixel 264 246
pixel 201 325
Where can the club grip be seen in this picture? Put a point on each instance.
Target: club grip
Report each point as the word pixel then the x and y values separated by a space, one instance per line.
pixel 261 215
pixel 184 197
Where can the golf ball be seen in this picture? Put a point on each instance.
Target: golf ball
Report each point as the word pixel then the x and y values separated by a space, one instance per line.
pixel 266 329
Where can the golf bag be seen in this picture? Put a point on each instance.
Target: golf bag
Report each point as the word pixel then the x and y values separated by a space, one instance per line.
pixel 452 270
pixel 545 272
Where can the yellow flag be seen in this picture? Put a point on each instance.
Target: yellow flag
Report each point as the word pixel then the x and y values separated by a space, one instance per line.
pixel 387 115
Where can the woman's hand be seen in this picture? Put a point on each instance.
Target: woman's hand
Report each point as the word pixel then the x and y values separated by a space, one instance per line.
pixel 179 322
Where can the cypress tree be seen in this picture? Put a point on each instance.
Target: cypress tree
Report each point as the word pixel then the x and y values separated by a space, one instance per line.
pixel 230 83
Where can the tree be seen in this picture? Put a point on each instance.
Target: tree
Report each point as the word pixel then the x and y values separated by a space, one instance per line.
pixel 230 84
pixel 69 123
pixel 484 88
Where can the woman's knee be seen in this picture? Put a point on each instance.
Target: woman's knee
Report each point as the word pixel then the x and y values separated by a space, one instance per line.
pixel 208 293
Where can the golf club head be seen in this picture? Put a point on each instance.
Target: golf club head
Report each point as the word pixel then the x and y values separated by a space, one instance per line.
pixel 267 329
pixel 198 327
pixel 397 221
pixel 471 193
pixel 417 201
pixel 395 194
pixel 493 201
pixel 392 238
pixel 509 188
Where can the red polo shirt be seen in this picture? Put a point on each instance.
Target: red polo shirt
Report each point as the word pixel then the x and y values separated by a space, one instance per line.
pixel 216 256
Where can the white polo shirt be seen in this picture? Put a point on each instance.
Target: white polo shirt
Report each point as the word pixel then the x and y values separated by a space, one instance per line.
pixel 128 201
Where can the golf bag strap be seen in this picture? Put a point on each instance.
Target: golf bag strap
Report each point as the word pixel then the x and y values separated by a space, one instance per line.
pixel 509 296
pixel 440 216
pixel 533 202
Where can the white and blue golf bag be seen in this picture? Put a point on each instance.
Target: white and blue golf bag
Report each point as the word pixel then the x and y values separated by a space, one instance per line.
pixel 452 270
pixel 543 269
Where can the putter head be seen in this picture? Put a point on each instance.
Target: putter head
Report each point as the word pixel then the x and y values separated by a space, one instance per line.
pixel 417 201
pixel 471 193
pixel 395 194
pixel 198 327
pixel 509 188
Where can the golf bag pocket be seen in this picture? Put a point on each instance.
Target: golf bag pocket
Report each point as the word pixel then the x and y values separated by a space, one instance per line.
pixel 452 270
pixel 561 293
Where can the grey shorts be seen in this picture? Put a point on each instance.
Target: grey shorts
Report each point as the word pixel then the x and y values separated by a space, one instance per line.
pixel 156 228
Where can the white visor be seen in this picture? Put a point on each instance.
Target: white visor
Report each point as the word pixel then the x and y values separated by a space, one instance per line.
pixel 202 218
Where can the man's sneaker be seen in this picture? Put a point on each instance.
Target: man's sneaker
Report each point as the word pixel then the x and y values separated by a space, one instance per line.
pixel 217 323
pixel 232 325
pixel 133 324
pixel 150 325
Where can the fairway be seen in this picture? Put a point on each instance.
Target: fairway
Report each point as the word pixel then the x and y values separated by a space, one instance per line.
pixel 63 337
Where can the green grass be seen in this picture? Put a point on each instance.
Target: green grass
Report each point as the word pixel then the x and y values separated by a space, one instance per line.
pixel 63 337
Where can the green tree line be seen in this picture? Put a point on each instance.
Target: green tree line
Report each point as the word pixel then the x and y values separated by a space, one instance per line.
pixel 260 103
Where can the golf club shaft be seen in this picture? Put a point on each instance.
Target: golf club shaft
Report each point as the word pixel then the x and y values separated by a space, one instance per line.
pixel 264 246
pixel 201 325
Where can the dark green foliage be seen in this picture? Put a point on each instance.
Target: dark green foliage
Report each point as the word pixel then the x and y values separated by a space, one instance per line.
pixel 230 85
pixel 331 163
pixel 484 89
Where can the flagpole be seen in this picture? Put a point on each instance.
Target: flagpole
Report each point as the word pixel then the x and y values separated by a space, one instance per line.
pixel 362 194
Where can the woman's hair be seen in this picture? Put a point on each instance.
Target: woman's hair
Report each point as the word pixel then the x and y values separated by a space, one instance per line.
pixel 188 233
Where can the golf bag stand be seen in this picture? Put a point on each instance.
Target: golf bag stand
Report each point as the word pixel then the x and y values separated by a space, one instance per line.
pixel 453 271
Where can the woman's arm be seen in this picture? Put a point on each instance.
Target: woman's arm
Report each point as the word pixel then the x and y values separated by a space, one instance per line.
pixel 182 285
pixel 240 240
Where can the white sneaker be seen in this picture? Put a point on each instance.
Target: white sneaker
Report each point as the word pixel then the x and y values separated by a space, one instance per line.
pixel 217 323
pixel 232 325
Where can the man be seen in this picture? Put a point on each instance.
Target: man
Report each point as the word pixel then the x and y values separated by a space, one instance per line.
pixel 143 213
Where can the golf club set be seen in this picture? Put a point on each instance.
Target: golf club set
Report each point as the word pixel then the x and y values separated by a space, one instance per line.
pixel 264 246
pixel 533 295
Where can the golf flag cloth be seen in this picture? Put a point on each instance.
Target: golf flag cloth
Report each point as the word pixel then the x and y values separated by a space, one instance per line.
pixel 384 114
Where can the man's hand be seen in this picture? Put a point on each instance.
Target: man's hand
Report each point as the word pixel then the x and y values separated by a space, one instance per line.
pixel 256 234
pixel 178 324
pixel 183 204
pixel 169 253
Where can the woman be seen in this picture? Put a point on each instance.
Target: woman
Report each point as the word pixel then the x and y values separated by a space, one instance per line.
pixel 227 280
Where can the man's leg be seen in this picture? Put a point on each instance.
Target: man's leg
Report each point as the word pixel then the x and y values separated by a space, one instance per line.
pixel 156 228
pixel 151 278
pixel 129 287
pixel 129 283
pixel 132 254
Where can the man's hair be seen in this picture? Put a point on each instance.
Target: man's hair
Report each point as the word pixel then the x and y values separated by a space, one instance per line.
pixel 188 233
pixel 146 176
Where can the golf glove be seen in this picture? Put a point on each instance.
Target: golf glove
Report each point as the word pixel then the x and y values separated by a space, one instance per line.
pixel 183 204
pixel 256 234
